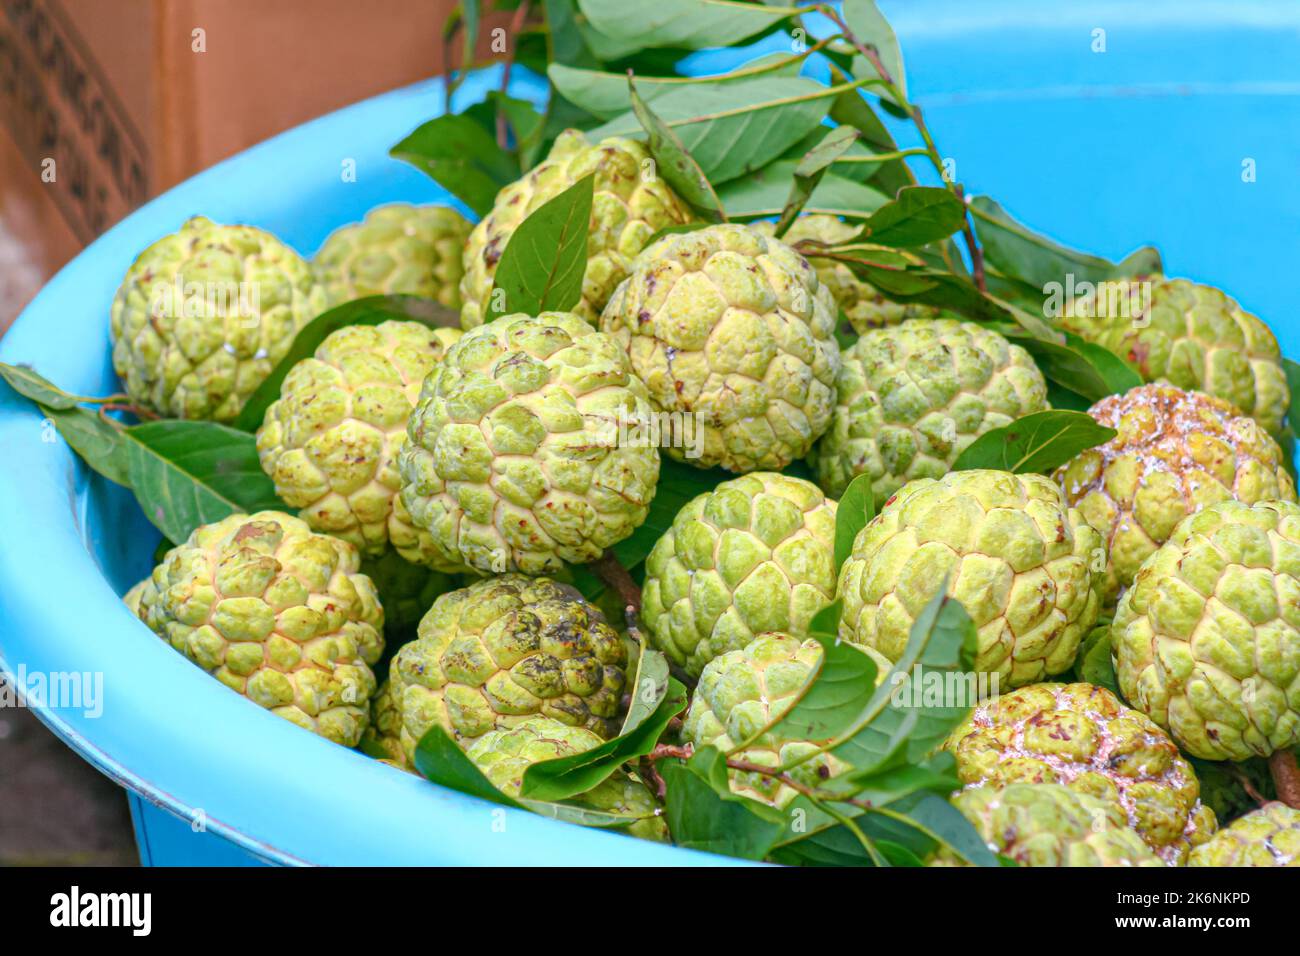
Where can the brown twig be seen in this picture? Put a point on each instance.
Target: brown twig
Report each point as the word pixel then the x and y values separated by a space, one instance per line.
pixel 139 411
pixel 612 573
pixel 651 777
pixel 932 150
pixel 1247 784
pixel 516 27
pixel 1286 777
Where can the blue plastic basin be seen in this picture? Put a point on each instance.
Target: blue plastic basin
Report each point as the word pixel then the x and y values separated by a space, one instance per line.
pixel 1106 151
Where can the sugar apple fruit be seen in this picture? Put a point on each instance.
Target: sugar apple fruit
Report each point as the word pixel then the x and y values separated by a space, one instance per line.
pixel 527 447
pixel 1081 736
pixel 629 205
pixel 503 649
pixel 755 554
pixel 204 315
pixel 383 735
pixel 733 334
pixel 397 248
pixel 330 442
pixel 503 756
pixel 1207 640
pixel 862 303
pixel 741 691
pixel 1024 566
pixel 1048 825
pixel 276 612
pixel 1269 836
pixel 913 397
pixel 1175 453
pixel 1192 336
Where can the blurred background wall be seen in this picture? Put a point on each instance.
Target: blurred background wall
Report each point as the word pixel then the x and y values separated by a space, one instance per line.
pixel 105 103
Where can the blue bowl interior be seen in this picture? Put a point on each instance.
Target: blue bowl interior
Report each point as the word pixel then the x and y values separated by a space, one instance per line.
pixel 1144 143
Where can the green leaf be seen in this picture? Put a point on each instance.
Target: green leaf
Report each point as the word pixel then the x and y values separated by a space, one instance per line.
pixel 732 129
pixel 568 776
pixel 856 508
pixel 462 157
pixel 605 95
pixel 871 28
pixel 441 760
pixel 1036 443
pixel 675 162
pixel 703 814
pixel 765 192
pixel 681 24
pixel 810 170
pixel 31 384
pixel 543 265
pixel 371 310
pixel 1096 665
pixel 1034 259
pixel 851 108
pixel 1091 372
pixel 919 215
pixel 190 473
pixel 647 688
pixel 528 125
pixel 939 818
pixel 100 445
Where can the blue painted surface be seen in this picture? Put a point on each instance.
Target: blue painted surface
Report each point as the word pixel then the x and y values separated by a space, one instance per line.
pixel 1143 143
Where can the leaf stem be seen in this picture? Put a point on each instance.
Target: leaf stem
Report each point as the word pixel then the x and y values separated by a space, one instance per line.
pixel 1286 776
pixel 516 27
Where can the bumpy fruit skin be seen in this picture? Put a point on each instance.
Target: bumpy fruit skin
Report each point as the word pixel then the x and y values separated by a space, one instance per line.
pixel 529 447
pixel 1082 737
pixel 629 205
pixel 397 248
pixel 330 442
pixel 733 335
pixel 755 554
pixel 276 612
pixel 1175 453
pixel 382 738
pixel 1207 640
pixel 504 649
pixel 504 755
pixel 204 315
pixel 742 691
pixel 1193 336
pixel 913 397
pixel 1018 559
pixel 1269 836
pixel 862 303
pixel 1048 825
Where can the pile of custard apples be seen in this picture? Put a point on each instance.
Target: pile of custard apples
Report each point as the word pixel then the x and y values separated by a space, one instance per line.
pixel 443 483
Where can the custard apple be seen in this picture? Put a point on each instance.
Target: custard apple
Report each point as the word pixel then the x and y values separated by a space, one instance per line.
pixel 862 303
pixel 276 612
pixel 913 397
pixel 1047 825
pixel 1175 453
pixel 1207 640
pixel 1192 336
pixel 733 334
pixel 330 443
pixel 397 248
pixel 529 447
pixel 1269 836
pixel 503 649
pixel 1081 736
pixel 204 315
pixel 382 738
pixel 629 205
pixel 742 691
pixel 504 755
pixel 1026 567
pixel 755 554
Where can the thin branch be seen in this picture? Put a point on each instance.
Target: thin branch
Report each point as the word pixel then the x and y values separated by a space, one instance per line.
pixel 614 576
pixel 1247 784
